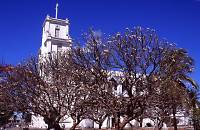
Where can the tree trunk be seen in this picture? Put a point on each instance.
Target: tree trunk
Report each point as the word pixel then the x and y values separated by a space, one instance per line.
pixel 160 125
pixel 49 123
pixel 101 120
pixel 52 124
pixel 56 126
pixel 174 118
pixel 100 125
pixel 194 124
pixel 74 125
pixel 140 122
pixel 125 121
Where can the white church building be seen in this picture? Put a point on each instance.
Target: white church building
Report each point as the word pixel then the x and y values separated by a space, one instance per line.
pixel 55 38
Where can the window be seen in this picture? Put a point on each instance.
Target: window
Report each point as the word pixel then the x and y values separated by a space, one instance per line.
pixel 45 44
pixel 59 47
pixel 57 32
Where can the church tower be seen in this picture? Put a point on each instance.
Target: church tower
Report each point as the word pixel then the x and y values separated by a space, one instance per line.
pixel 55 35
pixel 55 38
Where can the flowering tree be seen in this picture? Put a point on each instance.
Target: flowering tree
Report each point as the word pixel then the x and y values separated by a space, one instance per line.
pixel 133 75
pixel 46 88
pixel 6 108
pixel 149 64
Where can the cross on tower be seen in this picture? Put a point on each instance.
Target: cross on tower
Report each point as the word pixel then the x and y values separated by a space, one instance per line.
pixel 56 9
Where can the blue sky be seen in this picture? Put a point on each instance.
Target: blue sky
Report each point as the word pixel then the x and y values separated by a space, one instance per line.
pixel 21 22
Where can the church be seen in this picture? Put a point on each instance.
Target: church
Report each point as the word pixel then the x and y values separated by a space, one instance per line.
pixel 56 38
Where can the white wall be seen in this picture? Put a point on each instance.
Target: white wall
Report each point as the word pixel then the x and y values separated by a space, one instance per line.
pixel 48 35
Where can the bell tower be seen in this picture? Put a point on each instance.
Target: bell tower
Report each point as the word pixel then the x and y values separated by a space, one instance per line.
pixel 55 39
pixel 55 35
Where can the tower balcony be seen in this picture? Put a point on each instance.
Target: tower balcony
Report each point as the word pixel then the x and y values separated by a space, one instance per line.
pixel 57 40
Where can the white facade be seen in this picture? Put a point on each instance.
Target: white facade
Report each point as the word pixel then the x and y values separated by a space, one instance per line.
pixel 55 36
pixel 37 122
